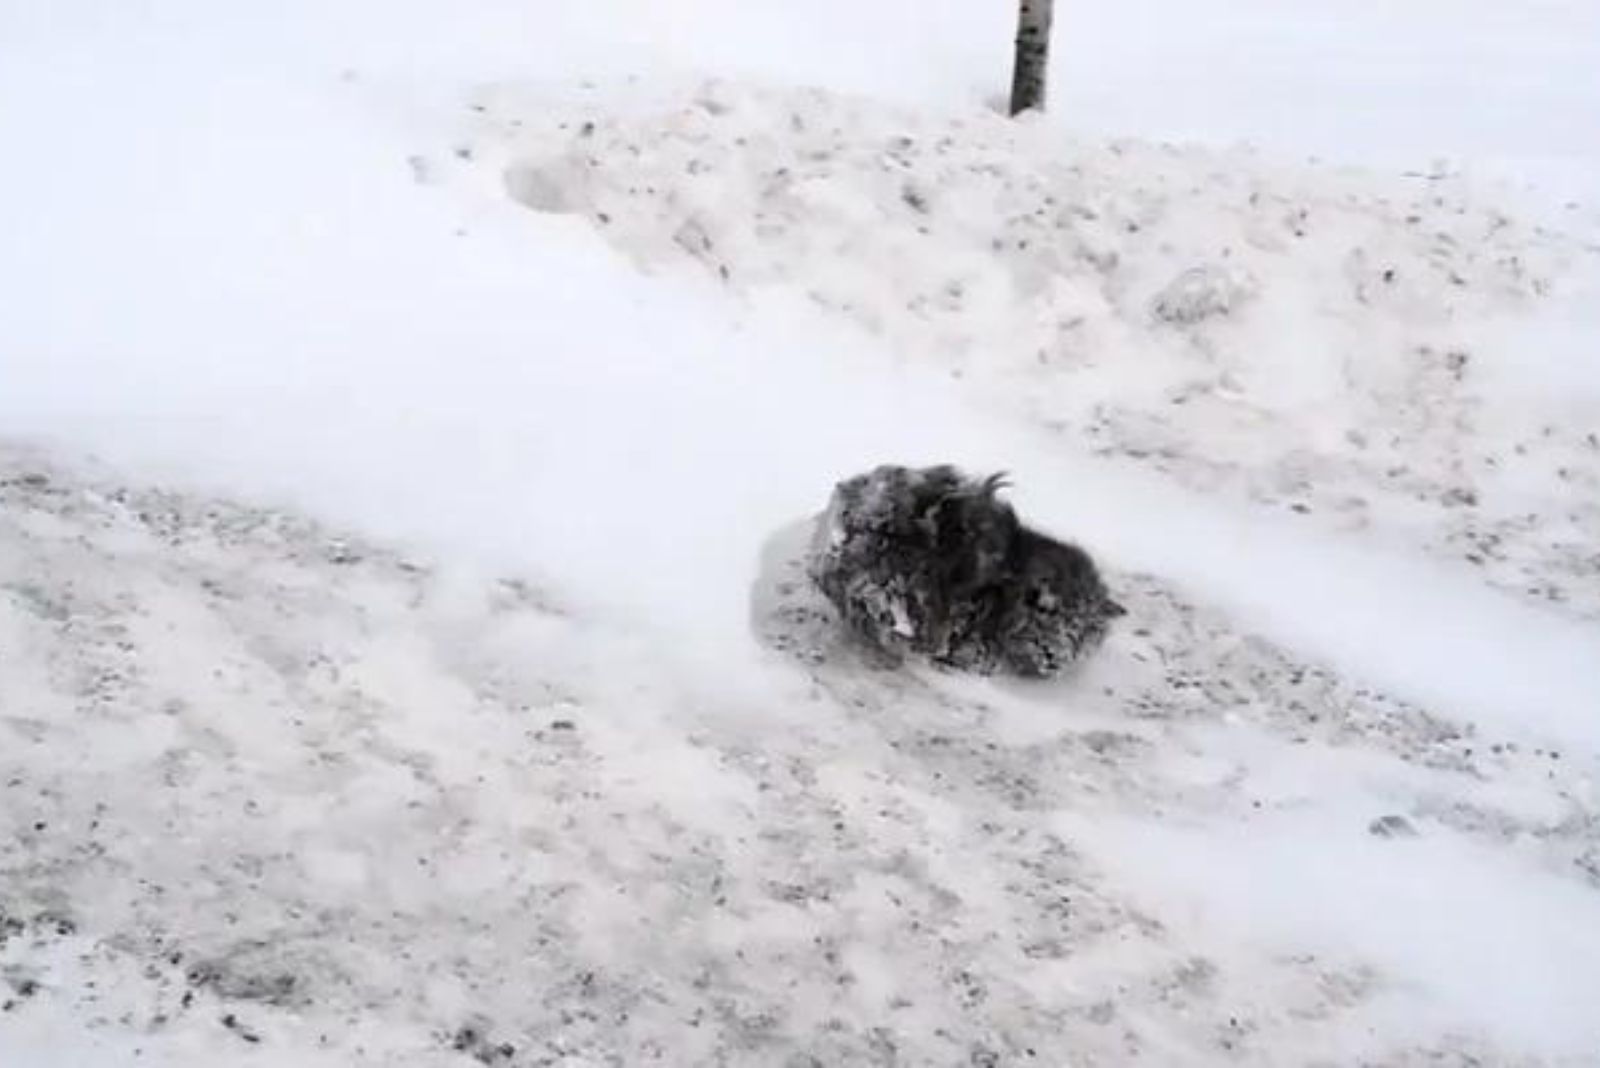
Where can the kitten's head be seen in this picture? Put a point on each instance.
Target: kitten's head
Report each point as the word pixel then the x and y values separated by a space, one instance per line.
pixel 972 531
pixel 1060 608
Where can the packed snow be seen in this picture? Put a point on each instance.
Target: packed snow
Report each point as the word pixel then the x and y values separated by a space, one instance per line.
pixel 411 420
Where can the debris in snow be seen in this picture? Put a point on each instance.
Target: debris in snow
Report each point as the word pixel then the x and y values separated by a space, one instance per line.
pixel 1201 293
pixel 22 987
pixel 1392 827
pixel 473 1040
pixel 232 1023
pixel 231 981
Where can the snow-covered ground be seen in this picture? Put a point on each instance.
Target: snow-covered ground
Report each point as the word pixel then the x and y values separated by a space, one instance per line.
pixel 421 673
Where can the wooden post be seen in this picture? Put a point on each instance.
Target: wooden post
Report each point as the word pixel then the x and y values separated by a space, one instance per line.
pixel 1033 55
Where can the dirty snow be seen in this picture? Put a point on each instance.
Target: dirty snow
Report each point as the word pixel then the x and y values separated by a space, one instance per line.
pixel 424 673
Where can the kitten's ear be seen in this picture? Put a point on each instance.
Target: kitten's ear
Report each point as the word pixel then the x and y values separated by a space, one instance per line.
pixel 995 483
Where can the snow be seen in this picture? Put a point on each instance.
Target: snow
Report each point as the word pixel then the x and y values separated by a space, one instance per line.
pixel 489 752
pixel 1430 913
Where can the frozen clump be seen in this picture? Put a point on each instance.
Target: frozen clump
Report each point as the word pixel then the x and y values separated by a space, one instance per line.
pixel 1202 293
pixel 549 188
pixel 932 562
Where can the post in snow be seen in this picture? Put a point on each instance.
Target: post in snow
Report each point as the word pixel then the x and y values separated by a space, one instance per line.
pixel 1033 55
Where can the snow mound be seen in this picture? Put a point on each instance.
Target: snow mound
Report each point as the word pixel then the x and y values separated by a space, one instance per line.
pixel 1335 343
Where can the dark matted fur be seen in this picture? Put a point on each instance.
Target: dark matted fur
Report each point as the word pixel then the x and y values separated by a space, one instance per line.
pixel 930 561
